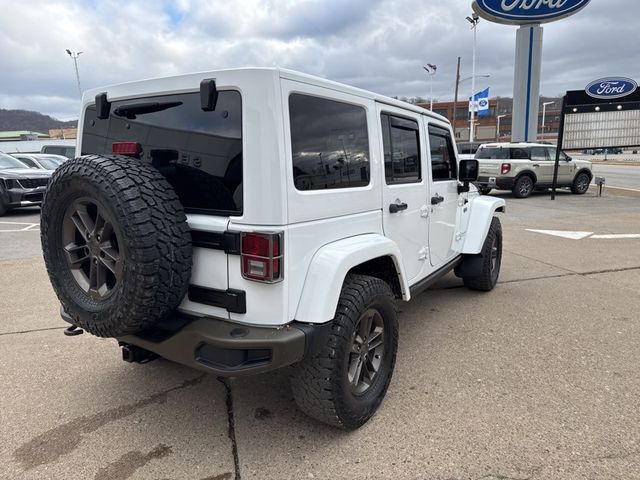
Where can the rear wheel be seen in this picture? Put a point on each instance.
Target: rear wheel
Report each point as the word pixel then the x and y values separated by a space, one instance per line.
pixel 523 187
pixel 344 383
pixel 581 184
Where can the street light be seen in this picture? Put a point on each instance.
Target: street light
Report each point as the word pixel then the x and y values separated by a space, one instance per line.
pixel 498 127
pixel 75 56
pixel 431 70
pixel 544 114
pixel 474 19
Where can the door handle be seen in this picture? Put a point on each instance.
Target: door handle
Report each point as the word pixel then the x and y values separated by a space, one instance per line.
pixel 437 200
pixel 397 207
pixel 536 165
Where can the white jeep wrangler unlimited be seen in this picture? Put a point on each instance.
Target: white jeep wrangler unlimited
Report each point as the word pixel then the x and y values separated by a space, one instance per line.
pixel 240 221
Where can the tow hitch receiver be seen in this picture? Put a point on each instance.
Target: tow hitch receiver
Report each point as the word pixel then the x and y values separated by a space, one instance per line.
pixel 73 331
pixel 133 354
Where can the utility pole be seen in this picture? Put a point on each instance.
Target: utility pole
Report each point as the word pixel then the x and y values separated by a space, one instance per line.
pixel 455 98
pixel 75 56
pixel 474 20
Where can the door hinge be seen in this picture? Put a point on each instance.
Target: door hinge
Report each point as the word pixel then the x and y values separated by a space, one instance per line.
pixel 459 236
pixel 423 254
pixel 424 211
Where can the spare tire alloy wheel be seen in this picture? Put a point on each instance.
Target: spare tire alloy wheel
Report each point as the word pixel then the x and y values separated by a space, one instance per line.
pixel 91 243
pixel 116 244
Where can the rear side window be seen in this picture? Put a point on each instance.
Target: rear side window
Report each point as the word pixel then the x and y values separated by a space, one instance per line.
pixel 329 143
pixel 200 153
pixel 443 160
pixel 493 153
pixel 401 142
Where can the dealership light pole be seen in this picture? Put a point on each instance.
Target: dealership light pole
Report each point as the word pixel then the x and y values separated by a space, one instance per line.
pixel 544 115
pixel 474 19
pixel 75 56
pixel 500 117
pixel 430 68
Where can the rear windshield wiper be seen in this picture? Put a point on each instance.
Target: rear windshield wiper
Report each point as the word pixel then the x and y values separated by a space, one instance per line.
pixel 130 111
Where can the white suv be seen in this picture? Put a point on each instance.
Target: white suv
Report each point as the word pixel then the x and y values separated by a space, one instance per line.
pixel 244 220
pixel 525 167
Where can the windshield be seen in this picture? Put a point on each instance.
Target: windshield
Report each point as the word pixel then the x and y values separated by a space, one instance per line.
pixel 7 161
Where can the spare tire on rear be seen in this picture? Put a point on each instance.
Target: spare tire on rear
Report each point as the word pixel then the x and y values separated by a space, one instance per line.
pixel 116 244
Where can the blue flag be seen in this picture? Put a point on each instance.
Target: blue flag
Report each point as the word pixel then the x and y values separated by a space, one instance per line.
pixel 481 103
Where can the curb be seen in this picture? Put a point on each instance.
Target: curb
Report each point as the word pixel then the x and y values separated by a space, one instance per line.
pixel 616 191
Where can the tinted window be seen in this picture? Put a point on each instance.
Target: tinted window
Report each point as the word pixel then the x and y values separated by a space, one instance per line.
pixel 468 148
pixel 520 154
pixel 329 143
pixel 443 161
pixel 552 155
pixel 27 161
pixel 539 154
pixel 401 143
pixel 200 153
pixel 494 153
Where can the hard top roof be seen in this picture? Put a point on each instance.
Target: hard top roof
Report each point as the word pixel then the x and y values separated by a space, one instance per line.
pixel 282 73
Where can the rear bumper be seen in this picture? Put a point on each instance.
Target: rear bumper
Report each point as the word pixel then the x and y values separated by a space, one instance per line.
pixel 225 348
pixel 501 183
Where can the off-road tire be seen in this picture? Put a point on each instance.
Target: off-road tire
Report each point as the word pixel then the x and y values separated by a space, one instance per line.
pixel 523 187
pixel 320 384
pixel 154 242
pixel 580 184
pixel 491 264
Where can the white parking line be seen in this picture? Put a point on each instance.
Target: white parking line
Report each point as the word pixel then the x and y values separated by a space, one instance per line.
pixel 583 235
pixel 30 227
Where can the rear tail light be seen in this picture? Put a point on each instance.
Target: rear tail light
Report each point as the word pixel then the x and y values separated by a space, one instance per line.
pixel 506 168
pixel 261 256
pixel 126 148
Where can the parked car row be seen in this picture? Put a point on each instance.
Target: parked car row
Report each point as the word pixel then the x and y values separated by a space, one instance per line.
pixel 24 178
pixel 527 167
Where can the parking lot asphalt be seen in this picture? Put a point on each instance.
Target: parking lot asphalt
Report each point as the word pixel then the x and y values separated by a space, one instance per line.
pixel 538 379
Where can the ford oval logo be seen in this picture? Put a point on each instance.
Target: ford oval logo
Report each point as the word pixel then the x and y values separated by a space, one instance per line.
pixel 522 12
pixel 607 88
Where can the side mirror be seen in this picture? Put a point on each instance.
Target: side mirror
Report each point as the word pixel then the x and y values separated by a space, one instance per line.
pixel 468 171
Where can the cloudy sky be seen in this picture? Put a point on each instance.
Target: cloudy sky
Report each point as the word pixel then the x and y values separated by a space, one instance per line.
pixel 378 45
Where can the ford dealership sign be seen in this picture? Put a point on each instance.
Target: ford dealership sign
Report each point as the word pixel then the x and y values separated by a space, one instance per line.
pixel 610 88
pixel 527 12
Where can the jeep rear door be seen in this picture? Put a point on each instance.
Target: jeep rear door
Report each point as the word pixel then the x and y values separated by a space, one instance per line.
pixel 443 194
pixel 405 209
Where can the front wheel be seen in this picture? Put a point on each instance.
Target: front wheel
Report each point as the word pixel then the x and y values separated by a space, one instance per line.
pixel 491 258
pixel 581 184
pixel 344 383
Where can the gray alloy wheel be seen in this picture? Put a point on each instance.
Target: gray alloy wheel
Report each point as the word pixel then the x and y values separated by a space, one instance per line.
pixel 581 184
pixel 91 243
pixel 523 187
pixel 367 351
